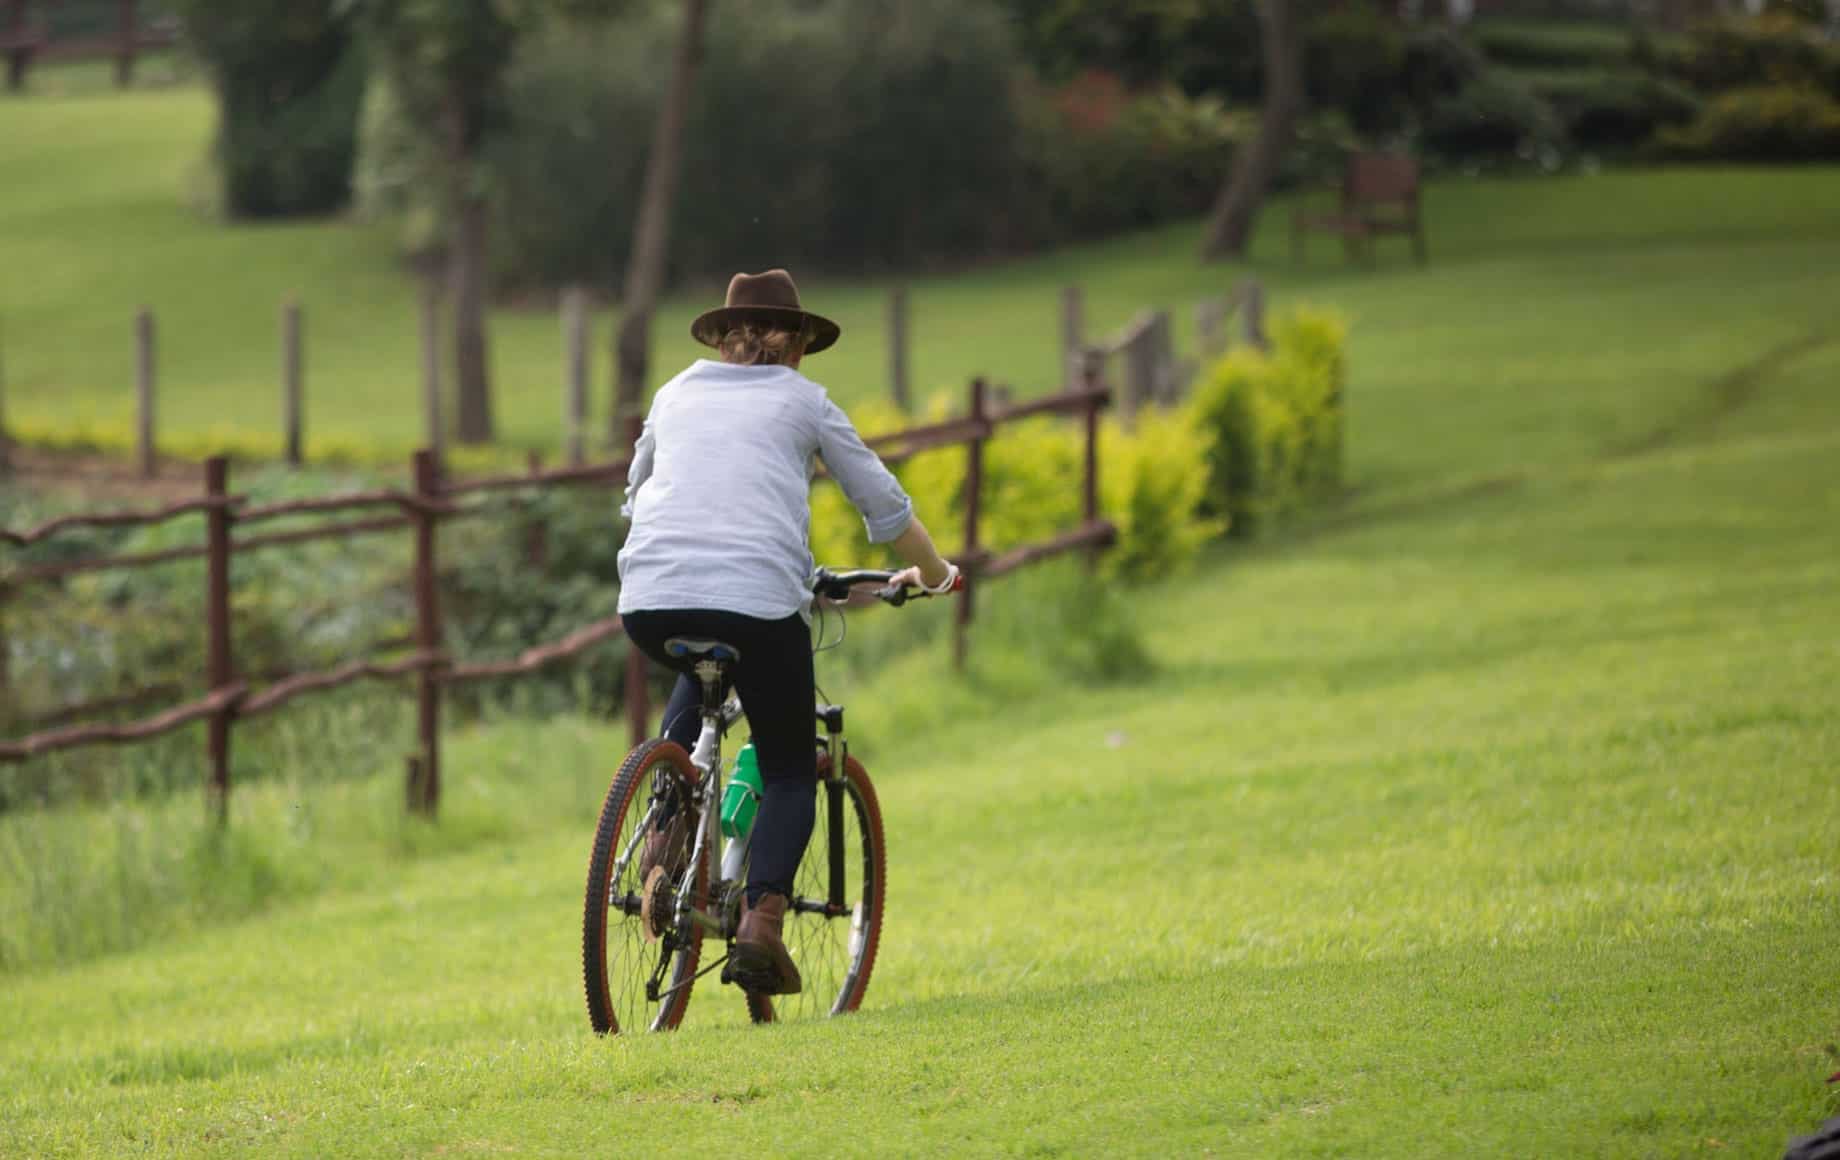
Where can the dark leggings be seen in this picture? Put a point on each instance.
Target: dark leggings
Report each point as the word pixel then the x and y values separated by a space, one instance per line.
pixel 774 681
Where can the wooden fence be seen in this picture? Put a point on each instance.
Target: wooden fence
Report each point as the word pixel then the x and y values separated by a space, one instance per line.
pixel 421 509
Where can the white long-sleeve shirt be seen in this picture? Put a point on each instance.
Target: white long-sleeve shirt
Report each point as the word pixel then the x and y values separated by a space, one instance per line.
pixel 719 491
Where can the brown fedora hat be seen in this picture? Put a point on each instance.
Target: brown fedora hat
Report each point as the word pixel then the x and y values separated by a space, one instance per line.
pixel 769 299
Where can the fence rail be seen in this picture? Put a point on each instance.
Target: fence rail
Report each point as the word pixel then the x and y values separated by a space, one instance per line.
pixel 421 510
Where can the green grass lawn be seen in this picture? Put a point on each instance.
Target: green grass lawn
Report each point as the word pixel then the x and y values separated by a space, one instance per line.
pixel 1502 824
pixel 1491 813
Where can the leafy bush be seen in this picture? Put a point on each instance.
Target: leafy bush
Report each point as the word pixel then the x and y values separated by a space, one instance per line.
pixel 1354 58
pixel 289 79
pixel 243 445
pixel 1620 108
pixel 1775 49
pixel 1554 44
pixel 889 144
pixel 1152 485
pixel 1273 423
pixel 1091 166
pixel 1493 113
pixel 909 135
pixel 1771 123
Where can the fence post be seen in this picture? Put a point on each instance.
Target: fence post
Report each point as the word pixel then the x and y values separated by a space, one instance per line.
pixel 536 535
pixel 431 363
pixel 1073 333
pixel 974 498
pixel 638 699
pixel 1209 313
pixel 1092 379
pixel 6 441
pixel 293 369
pixel 1252 313
pixel 897 346
pixel 219 672
pixel 575 389
pixel 425 769
pixel 143 390
pixel 6 677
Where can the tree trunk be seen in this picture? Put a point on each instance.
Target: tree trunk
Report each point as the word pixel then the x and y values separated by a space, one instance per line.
pixel 466 285
pixel 652 230
pixel 1237 208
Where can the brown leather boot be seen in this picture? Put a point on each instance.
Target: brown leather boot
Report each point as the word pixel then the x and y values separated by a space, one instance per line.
pixel 760 962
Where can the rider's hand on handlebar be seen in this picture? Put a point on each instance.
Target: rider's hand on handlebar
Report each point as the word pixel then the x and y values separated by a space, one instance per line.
pixel 912 578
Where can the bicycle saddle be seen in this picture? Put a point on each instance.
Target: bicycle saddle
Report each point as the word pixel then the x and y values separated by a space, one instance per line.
pixel 687 648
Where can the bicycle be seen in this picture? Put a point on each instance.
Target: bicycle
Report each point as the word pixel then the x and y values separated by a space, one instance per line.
pixel 642 942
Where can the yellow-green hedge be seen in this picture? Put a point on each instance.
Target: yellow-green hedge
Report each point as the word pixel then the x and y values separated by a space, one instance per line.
pixel 114 438
pixel 1273 422
pixel 1152 482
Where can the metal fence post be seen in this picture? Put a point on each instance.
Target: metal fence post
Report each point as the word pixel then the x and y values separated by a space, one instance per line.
pixel 219 672
pixel 638 695
pixel 575 352
pixel 425 797
pixel 897 346
pixel 1091 373
pixel 1073 332
pixel 143 390
pixel 974 502
pixel 1252 313
pixel 6 442
pixel 431 363
pixel 536 533
pixel 293 369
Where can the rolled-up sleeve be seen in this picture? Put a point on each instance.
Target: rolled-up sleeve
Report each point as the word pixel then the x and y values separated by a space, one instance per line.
pixel 641 469
pixel 878 495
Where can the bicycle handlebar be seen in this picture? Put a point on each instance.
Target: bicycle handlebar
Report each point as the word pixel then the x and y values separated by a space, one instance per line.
pixel 838 585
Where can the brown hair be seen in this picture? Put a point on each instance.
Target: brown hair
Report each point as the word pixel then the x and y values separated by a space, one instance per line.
pixel 751 344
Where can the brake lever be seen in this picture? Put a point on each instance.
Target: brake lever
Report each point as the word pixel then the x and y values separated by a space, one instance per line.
pixel 893 594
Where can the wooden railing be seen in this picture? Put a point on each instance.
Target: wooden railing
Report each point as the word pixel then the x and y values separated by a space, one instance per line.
pixel 421 510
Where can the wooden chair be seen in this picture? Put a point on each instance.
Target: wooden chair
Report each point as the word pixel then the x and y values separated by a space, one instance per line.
pixel 1379 196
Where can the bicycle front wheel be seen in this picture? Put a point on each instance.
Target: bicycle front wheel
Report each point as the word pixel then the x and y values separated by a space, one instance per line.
pixel 636 969
pixel 833 926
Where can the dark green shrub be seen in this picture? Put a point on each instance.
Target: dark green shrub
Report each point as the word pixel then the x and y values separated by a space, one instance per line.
pixel 1202 46
pixel 289 79
pixel 1493 113
pixel 1615 109
pixel 1439 64
pixel 1354 58
pixel 1274 423
pixel 1771 123
pixel 1156 157
pixel 891 142
pixel 1553 44
pixel 1776 49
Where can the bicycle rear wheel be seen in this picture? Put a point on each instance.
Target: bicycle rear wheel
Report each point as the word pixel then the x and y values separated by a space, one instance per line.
pixel 619 962
pixel 834 926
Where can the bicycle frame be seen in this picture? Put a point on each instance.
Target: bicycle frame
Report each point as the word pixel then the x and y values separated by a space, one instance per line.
pixel 707 758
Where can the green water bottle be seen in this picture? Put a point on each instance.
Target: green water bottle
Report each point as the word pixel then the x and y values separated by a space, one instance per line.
pixel 741 800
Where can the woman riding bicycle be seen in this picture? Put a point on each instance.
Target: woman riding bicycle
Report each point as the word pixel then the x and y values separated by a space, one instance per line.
pixel 719 502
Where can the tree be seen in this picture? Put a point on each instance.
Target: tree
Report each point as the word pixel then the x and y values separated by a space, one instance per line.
pixel 652 231
pixel 1235 211
pixel 446 61
pixel 289 79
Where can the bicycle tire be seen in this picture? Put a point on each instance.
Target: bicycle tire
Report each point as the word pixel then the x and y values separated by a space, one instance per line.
pixel 614 951
pixel 836 968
